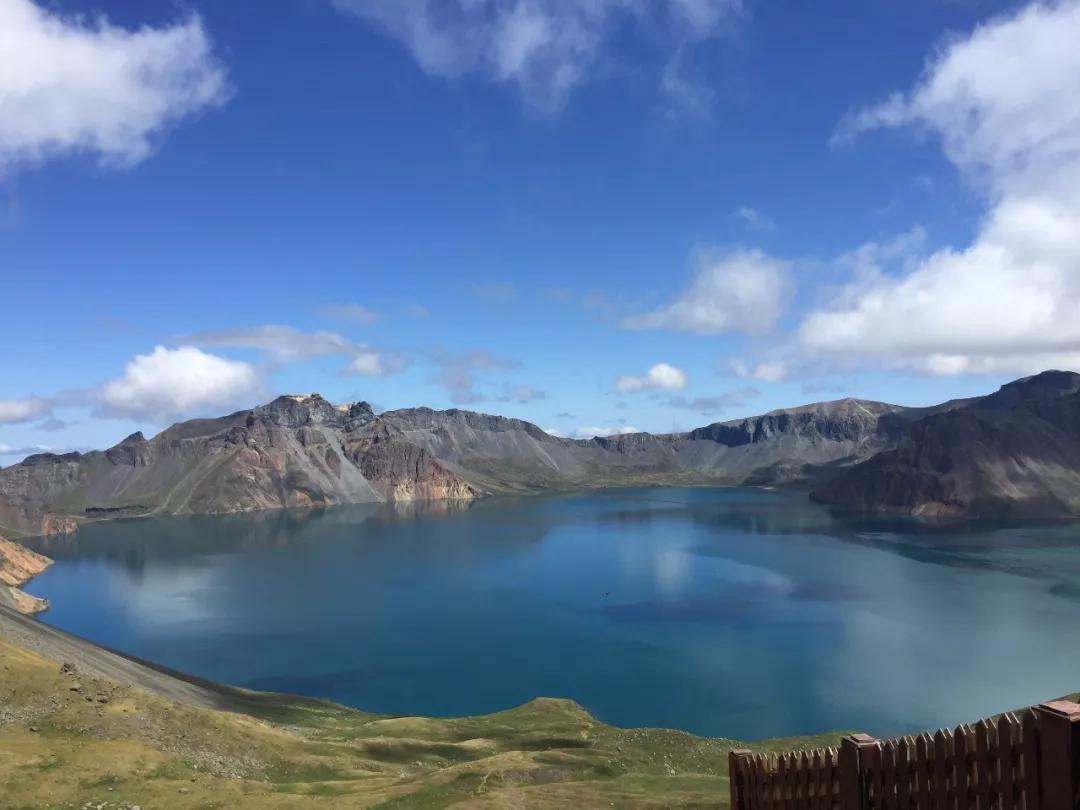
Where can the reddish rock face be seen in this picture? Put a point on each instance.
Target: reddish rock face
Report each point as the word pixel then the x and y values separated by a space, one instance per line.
pixel 18 566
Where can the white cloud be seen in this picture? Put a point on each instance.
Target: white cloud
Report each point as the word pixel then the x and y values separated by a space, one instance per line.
pixel 738 398
pixel 744 290
pixel 71 84
pixel 8 450
pixel 369 364
pixel 23 410
pixel 174 382
pixel 458 372
pixel 1005 102
pixel 766 371
pixel 544 48
pixel 521 394
pixel 286 344
pixel 754 218
pixel 592 432
pixel 660 377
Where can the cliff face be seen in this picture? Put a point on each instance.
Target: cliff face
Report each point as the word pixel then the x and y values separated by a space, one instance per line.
pixel 1013 453
pixel 295 451
pixel 18 566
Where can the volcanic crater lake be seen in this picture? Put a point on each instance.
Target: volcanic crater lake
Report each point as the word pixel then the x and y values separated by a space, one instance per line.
pixel 738 613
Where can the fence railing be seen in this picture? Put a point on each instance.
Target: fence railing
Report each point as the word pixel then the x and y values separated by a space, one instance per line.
pixel 1025 762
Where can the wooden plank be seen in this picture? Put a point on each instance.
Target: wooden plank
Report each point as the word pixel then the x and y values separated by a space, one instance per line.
pixel 789 781
pixel 805 801
pixel 750 781
pixel 1030 755
pixel 887 797
pixel 1007 784
pixel 904 752
pixel 941 770
pixel 984 767
pixel 826 800
pixel 760 802
pixel 834 777
pixel 1059 754
pixel 829 792
pixel 817 771
pixel 738 760
pixel 922 770
pixel 781 783
pixel 961 771
pixel 797 781
pixel 870 762
pixel 793 781
pixel 850 773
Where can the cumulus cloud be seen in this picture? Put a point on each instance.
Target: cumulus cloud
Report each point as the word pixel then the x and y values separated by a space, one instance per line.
pixel 286 344
pixel 169 383
pixel 592 432
pixel 521 394
pixel 1005 103
pixel 754 218
pixel 53 424
pixel 367 363
pixel 28 450
pixel 13 411
pixel 765 370
pixel 743 290
pixel 662 376
pixel 716 404
pixel 544 48
pixel 458 373
pixel 70 84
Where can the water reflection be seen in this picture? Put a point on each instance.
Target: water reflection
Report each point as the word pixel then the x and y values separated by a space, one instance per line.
pixel 734 612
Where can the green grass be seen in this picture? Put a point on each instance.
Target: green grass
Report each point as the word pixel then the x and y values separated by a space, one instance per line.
pixel 280 751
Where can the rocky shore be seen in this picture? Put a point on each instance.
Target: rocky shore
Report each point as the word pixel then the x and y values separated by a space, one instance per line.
pixel 18 565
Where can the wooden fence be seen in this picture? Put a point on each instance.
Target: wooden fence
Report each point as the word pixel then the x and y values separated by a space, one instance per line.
pixel 1025 762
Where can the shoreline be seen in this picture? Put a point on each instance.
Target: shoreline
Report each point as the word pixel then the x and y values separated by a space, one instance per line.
pixel 18 566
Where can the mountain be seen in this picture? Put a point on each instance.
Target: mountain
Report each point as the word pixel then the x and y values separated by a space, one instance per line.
pixel 1014 453
pixel 304 451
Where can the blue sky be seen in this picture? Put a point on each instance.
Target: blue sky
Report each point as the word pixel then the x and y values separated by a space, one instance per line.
pixel 595 215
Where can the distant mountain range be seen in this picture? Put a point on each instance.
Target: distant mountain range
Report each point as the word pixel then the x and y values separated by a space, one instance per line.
pixel 1014 452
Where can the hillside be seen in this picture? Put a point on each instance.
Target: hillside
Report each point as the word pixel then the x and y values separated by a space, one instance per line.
pixel 1013 453
pixel 79 724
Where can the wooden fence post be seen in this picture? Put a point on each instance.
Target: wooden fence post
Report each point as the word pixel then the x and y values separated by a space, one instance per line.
pixel 1059 754
pixel 737 759
pixel 852 789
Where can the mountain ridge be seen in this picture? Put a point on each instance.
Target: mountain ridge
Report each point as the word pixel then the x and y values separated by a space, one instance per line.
pixel 302 450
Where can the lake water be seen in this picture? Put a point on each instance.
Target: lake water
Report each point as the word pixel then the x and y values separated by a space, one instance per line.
pixel 729 612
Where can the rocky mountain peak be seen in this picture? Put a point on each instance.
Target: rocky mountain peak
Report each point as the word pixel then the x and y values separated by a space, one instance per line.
pixel 1043 387
pixel 299 410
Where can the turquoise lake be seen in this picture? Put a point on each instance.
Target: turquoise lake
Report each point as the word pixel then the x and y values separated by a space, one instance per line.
pixel 730 612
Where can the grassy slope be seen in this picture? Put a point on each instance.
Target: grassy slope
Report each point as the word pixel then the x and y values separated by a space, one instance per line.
pixel 133 748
